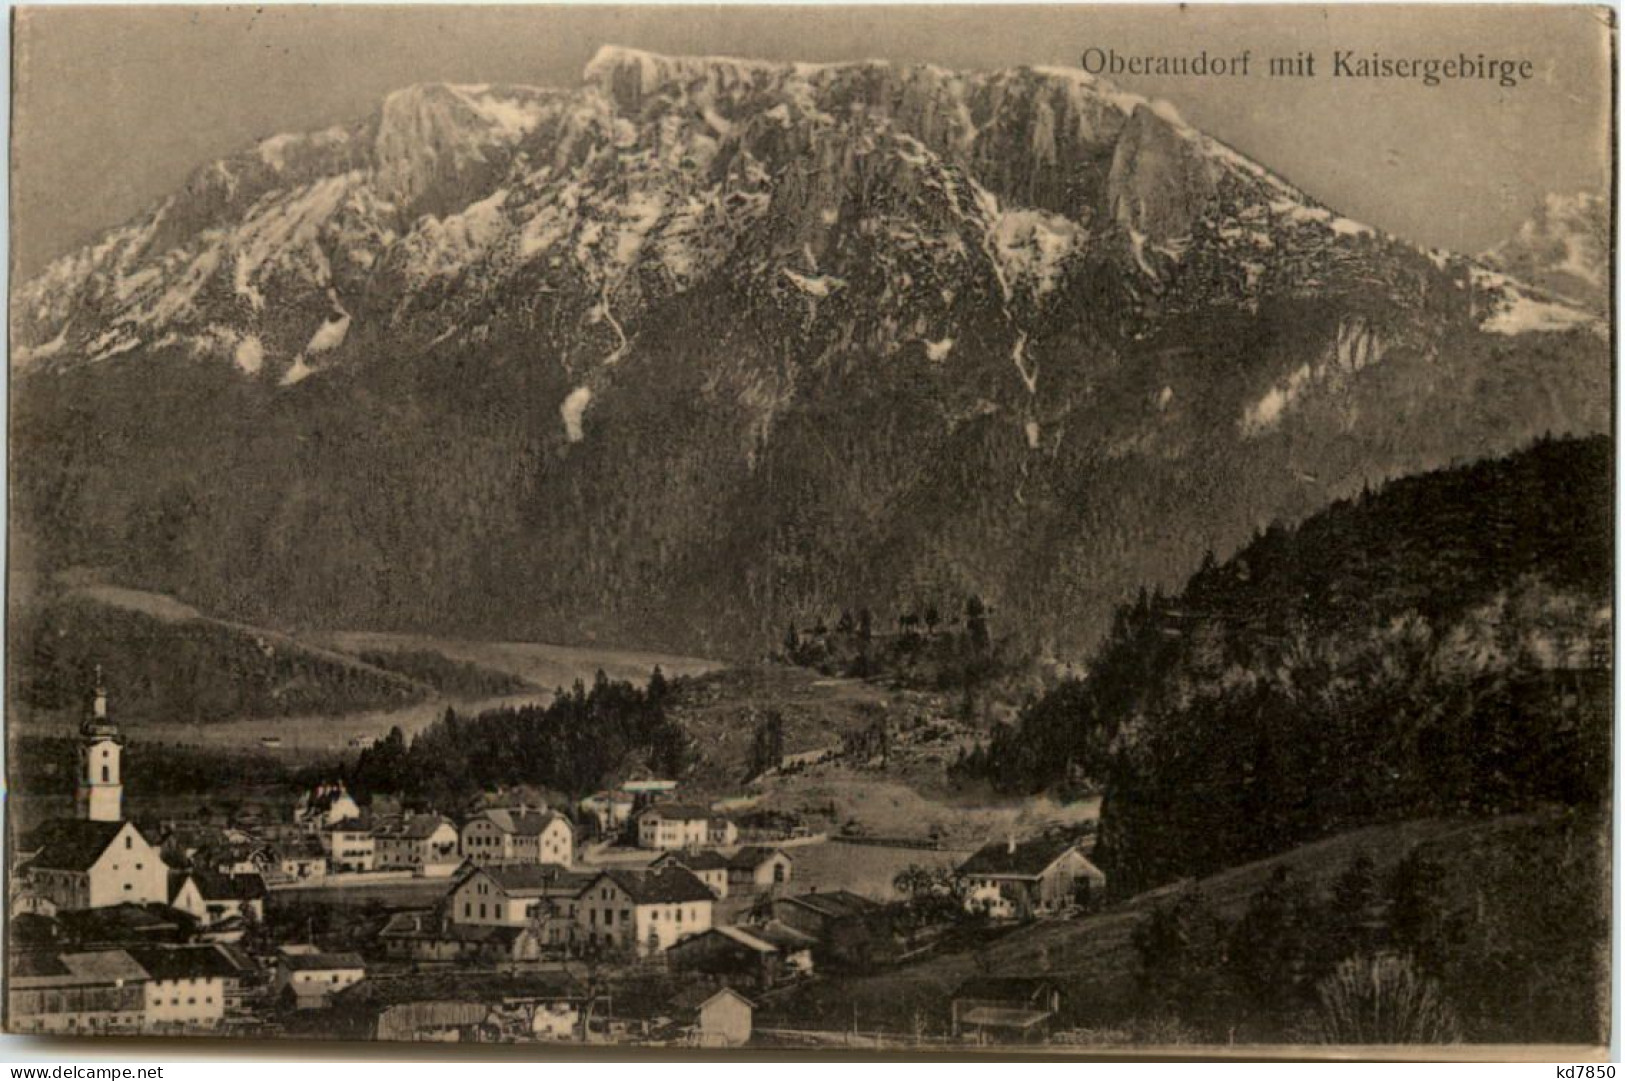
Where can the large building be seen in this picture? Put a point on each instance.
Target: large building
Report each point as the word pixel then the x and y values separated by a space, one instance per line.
pixel 673 826
pixel 97 991
pixel 645 912
pixel 424 843
pixel 97 859
pixel 73 863
pixel 500 835
pixel 1007 879
pixel 515 895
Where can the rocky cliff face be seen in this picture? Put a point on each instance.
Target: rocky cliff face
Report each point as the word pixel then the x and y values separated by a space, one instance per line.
pixel 704 345
pixel 1563 248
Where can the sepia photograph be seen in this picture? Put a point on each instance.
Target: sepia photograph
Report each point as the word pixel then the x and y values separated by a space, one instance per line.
pixel 946 531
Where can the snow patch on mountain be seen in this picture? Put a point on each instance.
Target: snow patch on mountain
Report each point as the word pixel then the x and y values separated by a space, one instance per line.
pixel 249 355
pixel 330 335
pixel 572 409
pixel 1522 314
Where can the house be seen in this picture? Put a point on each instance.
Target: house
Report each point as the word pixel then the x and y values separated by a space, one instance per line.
pixel 818 914
pixel 100 991
pixel 349 846
pixel 1045 874
pixel 125 925
pixel 1004 1009
pixel 754 868
pixel 673 826
pixel 715 1018
pixel 709 867
pixel 517 895
pixel 499 835
pixel 848 930
pixel 185 988
pixel 795 947
pixel 302 859
pixel 454 1006
pixel 429 937
pixel 324 806
pixel 234 858
pixel 215 898
pixel 77 863
pixel 308 979
pixel 610 810
pixel 735 955
pixel 644 911
pixel 720 832
pixel 424 843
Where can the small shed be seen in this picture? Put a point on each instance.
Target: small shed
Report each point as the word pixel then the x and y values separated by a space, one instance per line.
pixel 716 1018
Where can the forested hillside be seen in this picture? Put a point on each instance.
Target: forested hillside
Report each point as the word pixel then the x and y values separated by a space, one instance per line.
pixel 1438 646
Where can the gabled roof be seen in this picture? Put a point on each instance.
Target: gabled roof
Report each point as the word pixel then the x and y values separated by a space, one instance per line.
pixel 668 885
pixel 427 926
pixel 218 887
pixel 96 966
pixel 784 936
pixel 1018 991
pixel 697 998
pixel 183 962
pixel 835 904
pixel 532 879
pixel 521 824
pixel 746 939
pixel 322 962
pixel 677 812
pixel 124 922
pixel 751 857
pixel 479 987
pixel 695 861
pixel 71 844
pixel 418 827
pixel 300 848
pixel 1028 859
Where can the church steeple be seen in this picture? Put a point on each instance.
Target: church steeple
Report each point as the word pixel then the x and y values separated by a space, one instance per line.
pixel 100 792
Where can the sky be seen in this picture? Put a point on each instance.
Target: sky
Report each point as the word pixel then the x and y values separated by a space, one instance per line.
pixel 114 106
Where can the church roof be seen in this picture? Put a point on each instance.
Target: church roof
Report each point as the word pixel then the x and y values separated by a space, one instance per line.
pixel 71 844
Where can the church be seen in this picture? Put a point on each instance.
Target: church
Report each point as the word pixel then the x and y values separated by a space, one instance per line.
pixel 98 858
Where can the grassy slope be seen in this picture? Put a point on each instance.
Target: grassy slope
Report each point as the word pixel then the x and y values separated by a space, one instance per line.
pixel 1094 958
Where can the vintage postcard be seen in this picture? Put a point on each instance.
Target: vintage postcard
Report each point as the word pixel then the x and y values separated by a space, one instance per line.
pixel 1073 529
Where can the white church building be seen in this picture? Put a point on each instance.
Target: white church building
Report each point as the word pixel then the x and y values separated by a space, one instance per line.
pixel 97 859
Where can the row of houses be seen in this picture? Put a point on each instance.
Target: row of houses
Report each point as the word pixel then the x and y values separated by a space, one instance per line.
pixel 138 989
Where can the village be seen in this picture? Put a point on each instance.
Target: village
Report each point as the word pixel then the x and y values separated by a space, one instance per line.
pixel 632 916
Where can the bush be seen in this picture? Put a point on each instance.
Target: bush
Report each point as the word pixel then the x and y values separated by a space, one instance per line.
pixel 1382 1000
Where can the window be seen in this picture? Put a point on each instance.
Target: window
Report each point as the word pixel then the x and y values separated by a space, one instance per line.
pixel 609 917
pixel 679 915
pixel 107 775
pixel 482 910
pixel 129 842
pixel 468 910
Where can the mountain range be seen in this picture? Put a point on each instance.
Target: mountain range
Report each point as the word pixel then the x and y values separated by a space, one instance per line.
pixel 703 346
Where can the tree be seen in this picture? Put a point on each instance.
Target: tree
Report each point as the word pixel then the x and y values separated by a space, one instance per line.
pixel 976 624
pixel 1382 1000
pixel 1181 949
pixel 767 744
